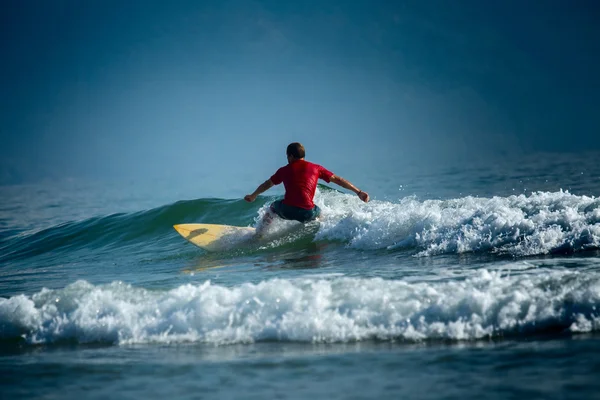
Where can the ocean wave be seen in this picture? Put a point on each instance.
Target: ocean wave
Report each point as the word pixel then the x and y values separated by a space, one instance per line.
pixel 333 309
pixel 523 225
pixel 121 229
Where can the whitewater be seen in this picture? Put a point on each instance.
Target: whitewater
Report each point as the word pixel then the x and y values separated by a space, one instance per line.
pixel 308 310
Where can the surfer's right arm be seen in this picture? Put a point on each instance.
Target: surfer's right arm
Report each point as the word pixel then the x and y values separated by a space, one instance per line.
pixel 266 185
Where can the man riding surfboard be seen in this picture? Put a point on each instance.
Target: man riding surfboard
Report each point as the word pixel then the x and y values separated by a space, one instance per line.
pixel 300 179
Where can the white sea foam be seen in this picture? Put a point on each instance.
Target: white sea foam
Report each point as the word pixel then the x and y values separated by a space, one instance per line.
pixel 522 225
pixel 336 309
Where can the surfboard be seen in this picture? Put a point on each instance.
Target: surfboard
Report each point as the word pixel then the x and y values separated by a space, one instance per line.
pixel 212 237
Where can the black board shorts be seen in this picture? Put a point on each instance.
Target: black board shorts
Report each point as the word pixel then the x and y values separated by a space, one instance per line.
pixel 295 213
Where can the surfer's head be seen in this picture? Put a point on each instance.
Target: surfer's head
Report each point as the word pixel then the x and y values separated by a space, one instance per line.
pixel 295 151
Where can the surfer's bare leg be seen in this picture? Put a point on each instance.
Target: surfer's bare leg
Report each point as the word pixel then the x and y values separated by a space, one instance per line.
pixel 264 223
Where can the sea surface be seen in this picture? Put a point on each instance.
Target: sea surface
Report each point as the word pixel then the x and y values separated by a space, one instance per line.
pixel 469 280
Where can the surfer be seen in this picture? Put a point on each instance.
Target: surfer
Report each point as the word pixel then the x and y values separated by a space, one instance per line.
pixel 300 179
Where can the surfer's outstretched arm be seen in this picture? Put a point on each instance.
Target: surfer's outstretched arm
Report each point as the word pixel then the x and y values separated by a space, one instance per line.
pixel 338 180
pixel 263 187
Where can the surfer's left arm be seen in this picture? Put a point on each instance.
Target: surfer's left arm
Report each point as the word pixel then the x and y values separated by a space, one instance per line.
pixel 338 180
pixel 263 187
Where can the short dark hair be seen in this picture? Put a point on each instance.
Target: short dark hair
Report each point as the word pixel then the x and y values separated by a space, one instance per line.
pixel 295 150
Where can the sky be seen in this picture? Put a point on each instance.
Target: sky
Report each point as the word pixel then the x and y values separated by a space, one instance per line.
pixel 105 89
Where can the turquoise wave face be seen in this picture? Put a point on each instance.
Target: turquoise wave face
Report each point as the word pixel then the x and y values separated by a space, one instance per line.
pixel 125 228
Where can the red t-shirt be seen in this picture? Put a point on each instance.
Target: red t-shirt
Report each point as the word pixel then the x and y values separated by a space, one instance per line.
pixel 300 180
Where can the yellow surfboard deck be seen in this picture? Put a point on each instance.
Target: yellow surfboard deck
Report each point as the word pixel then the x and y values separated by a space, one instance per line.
pixel 212 237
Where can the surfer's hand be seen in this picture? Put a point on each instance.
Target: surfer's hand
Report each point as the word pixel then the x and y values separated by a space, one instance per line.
pixel 364 196
pixel 249 198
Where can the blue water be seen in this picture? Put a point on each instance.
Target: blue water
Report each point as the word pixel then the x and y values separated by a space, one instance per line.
pixel 472 280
